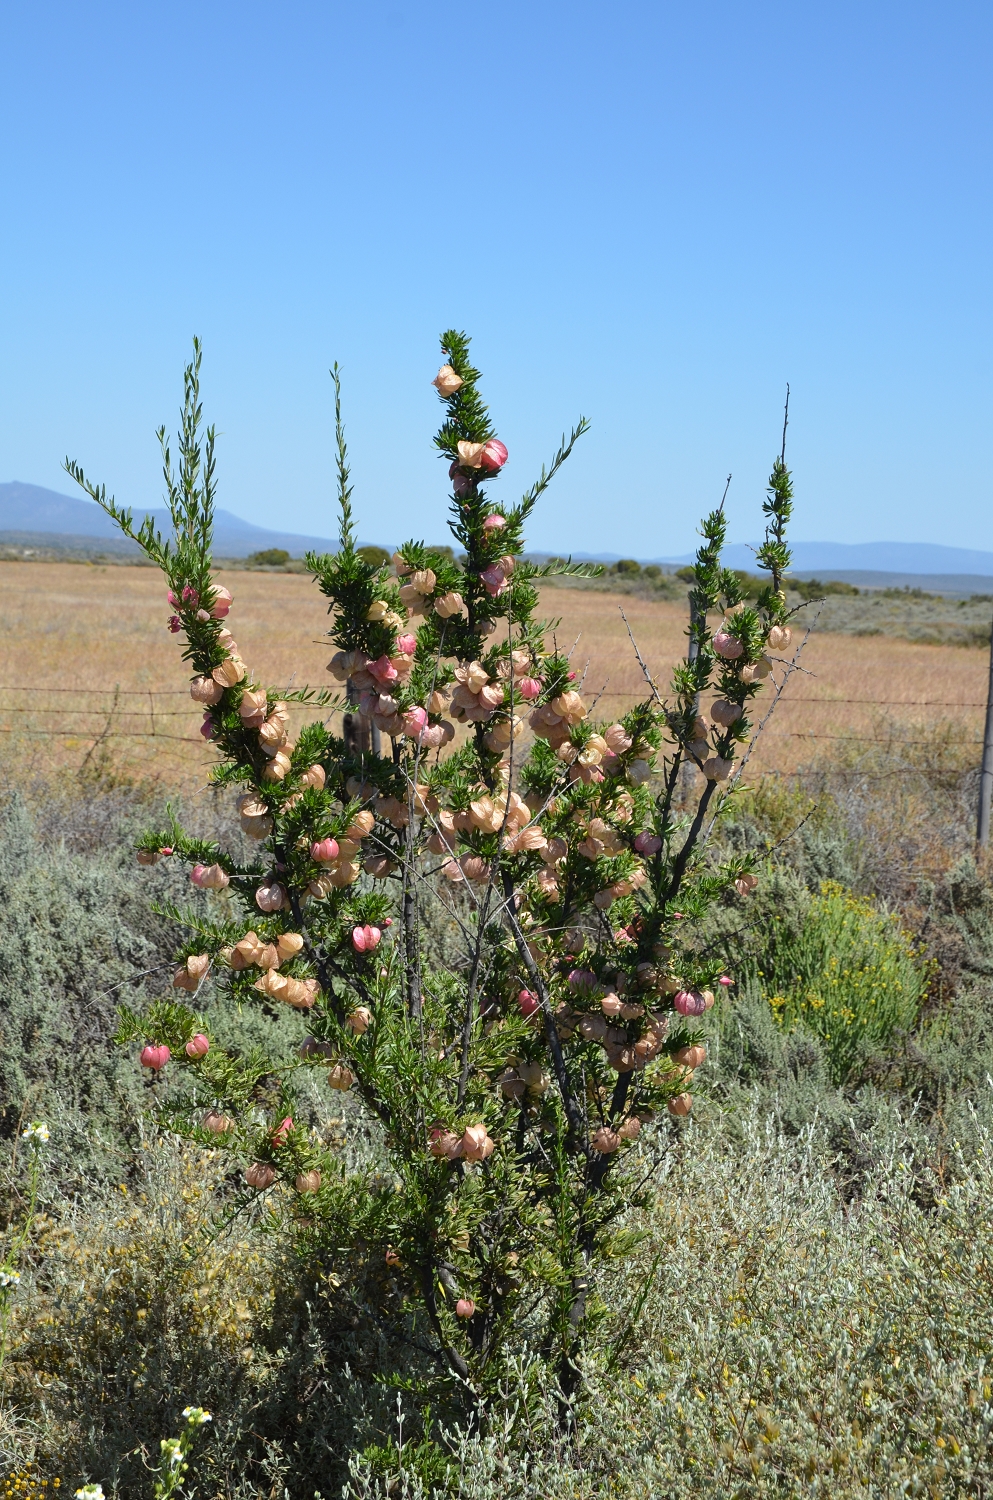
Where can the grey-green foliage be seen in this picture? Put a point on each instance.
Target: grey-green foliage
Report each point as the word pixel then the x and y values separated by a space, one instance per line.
pixel 79 935
pixel 772 1335
pixel 788 1344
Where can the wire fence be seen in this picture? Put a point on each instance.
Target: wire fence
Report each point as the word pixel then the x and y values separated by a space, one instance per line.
pixel 110 711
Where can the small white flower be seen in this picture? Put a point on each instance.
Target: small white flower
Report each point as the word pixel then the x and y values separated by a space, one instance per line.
pixel 196 1416
pixel 90 1492
pixel 172 1451
pixel 10 1278
pixel 36 1131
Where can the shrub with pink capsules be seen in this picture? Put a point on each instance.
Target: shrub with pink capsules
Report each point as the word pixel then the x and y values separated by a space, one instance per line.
pixel 456 769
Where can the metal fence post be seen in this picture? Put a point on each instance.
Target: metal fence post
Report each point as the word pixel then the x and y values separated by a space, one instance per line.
pixel 986 769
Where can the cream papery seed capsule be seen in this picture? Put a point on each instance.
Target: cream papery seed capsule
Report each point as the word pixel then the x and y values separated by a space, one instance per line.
pixel 272 735
pixel 690 1057
pixel 423 581
pixel 680 1105
pixel 359 1020
pixel 779 637
pixel 308 1182
pixel 757 671
pixel 470 454
pixel 260 1175
pixel 631 1128
pixel 206 690
pixel 378 610
pixel 361 825
pixel 446 382
pixel 314 776
pixel 216 1123
pixel 716 768
pixel 277 768
pixel 229 672
pixel 288 944
pixel 341 1078
pixel 449 605
pixel 253 705
pixel 148 856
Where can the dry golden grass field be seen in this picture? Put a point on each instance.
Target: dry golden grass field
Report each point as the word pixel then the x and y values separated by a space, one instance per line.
pixel 74 633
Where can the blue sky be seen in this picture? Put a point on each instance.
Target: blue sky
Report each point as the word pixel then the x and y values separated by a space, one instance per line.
pixel 652 214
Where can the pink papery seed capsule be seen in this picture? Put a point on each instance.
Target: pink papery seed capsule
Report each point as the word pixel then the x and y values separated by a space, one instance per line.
pixel 724 713
pixel 383 671
pixel 527 1003
pixel 155 1056
pixel 727 646
pixel 308 1182
pixel 443 1142
pixel 407 644
pixel 207 728
pixel 206 690
pixel 617 738
pixel 493 456
pixel 221 605
pixel 281 1133
pixel 690 1057
pixel 476 1143
pixel 465 1307
pixel 324 851
pixel 680 1105
pixel 414 720
pixel 260 1175
pixel 611 1006
pixel 647 842
pixel 210 877
pixel 366 938
pixel 529 688
pixel 689 1003
pixel 198 1046
pixel 745 884
pixel 726 981
pixel 605 1140
pixel 271 897
pixel 494 581
pixel 494 521
pixel 583 980
pixel 217 1123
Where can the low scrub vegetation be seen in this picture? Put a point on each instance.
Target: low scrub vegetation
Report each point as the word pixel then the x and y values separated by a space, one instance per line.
pixel 798 1309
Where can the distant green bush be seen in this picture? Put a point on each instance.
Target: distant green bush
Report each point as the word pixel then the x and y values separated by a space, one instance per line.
pixel 851 974
pixel 373 555
pixel 813 588
pixel 652 570
pixel 270 557
pixel 628 565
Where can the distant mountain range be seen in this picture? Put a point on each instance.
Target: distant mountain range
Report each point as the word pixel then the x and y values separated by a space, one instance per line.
pixel 876 557
pixel 33 516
